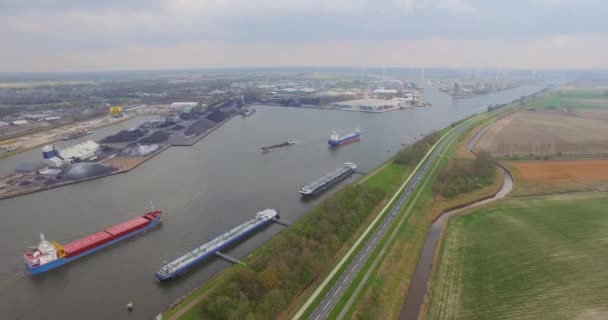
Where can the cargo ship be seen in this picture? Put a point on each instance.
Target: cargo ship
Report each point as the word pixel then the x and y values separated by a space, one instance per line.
pixel 277 146
pixel 336 139
pixel 328 180
pixel 76 134
pixel 187 261
pixel 50 255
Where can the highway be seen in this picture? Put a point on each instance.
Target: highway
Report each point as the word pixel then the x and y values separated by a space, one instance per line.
pixel 325 307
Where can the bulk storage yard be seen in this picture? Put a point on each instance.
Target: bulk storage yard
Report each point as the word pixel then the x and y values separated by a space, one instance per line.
pixel 116 153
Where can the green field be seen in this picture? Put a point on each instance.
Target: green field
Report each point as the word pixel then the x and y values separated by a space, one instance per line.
pixel 588 98
pixel 526 258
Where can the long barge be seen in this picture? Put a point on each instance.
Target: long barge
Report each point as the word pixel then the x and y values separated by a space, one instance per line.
pixel 50 255
pixel 328 180
pixel 185 262
pixel 277 146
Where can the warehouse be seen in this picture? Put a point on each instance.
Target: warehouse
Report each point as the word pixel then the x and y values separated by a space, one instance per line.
pixel 368 105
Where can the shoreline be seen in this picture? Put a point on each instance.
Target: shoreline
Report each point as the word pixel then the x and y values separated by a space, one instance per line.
pixel 120 170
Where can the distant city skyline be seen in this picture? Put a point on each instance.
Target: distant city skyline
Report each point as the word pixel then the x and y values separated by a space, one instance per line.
pixel 96 35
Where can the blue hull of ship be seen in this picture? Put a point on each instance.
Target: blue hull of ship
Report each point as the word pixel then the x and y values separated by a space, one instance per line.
pixel 182 270
pixel 61 261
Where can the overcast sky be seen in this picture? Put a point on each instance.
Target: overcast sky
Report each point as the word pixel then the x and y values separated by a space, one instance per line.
pixel 67 35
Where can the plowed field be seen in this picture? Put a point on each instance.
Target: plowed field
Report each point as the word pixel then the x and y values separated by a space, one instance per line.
pixel 545 132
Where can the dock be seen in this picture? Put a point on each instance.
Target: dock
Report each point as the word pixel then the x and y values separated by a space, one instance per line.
pixel 229 258
pixel 281 222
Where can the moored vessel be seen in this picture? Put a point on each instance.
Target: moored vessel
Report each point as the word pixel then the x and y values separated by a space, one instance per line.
pixel 192 258
pixel 328 180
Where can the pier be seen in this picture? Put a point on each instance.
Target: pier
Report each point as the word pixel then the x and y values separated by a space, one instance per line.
pixel 281 222
pixel 229 258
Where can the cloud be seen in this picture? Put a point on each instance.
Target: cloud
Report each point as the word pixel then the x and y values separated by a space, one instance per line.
pixel 562 51
pixel 60 28
pixel 456 6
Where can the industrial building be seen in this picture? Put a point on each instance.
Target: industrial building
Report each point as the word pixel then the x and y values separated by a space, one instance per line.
pixel 185 106
pixel 55 158
pixel 369 105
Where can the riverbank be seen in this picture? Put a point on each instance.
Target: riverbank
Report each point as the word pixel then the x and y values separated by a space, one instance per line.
pixel 383 292
pixel 313 259
pixel 55 136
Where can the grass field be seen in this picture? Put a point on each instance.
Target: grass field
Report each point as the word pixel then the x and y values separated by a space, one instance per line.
pixel 526 258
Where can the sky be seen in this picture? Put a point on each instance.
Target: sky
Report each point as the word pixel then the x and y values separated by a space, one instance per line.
pixel 91 35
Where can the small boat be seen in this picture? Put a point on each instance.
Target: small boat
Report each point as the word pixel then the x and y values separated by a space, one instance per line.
pixel 130 306
pixel 277 146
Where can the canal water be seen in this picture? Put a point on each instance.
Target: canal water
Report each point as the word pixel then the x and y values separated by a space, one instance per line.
pixel 203 190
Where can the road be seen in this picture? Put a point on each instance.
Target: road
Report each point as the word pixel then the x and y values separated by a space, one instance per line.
pixel 325 307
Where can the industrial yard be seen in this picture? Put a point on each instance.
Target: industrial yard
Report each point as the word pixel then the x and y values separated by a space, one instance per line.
pixel 116 153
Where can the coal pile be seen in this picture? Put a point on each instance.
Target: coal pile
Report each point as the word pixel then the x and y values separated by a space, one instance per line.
pixel 151 124
pixel 125 136
pixel 25 183
pixel 217 116
pixel 105 148
pixel 199 127
pixel 169 121
pixel 84 170
pixel 138 150
pixel 156 137
pixel 50 182
pixel 177 127
pixel 188 116
pixel 39 178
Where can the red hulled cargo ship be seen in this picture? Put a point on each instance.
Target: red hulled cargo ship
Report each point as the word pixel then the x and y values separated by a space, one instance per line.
pixel 49 255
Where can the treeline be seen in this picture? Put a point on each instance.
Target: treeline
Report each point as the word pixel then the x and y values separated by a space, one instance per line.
pixel 291 260
pixel 414 153
pixel 463 176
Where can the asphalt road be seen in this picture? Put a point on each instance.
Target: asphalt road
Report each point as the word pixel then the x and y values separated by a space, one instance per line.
pixel 332 297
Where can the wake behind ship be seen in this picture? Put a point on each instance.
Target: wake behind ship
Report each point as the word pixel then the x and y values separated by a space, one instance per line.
pixel 50 255
pixel 336 140
pixel 194 257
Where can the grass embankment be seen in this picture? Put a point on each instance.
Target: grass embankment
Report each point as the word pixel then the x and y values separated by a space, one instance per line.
pixel 288 266
pixel 385 292
pixel 526 258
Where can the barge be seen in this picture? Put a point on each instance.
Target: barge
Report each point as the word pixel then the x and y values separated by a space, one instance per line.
pixel 277 146
pixel 328 180
pixel 185 262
